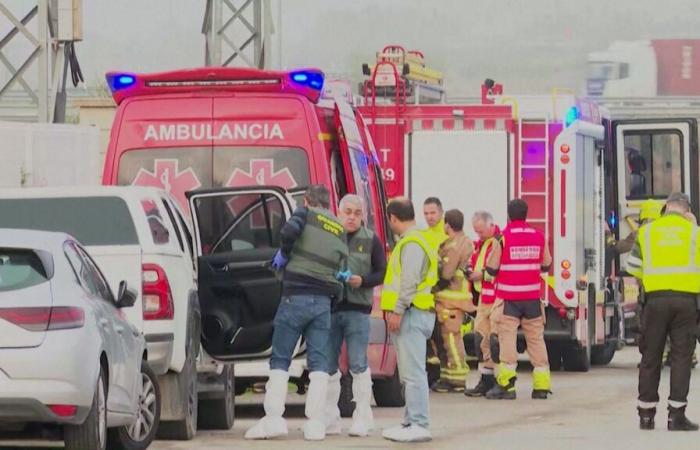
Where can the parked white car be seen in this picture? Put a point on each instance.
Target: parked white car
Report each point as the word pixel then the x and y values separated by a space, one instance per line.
pixel 68 355
pixel 138 234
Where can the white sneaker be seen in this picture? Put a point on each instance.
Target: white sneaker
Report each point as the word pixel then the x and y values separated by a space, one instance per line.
pixel 411 433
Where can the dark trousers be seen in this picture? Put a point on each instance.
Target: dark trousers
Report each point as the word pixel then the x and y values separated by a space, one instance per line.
pixel 673 315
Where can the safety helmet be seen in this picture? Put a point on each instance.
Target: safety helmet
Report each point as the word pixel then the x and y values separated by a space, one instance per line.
pixel 650 210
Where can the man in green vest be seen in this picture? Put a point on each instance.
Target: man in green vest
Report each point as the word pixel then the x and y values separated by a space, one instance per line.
pixel 350 319
pixel 409 307
pixel 434 215
pixel 312 253
pixel 666 258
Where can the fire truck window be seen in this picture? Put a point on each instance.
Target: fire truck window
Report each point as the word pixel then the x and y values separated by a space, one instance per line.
pixel 654 162
pixel 246 221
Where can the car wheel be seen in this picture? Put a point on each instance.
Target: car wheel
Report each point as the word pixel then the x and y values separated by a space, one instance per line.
pixel 186 428
pixel 141 433
pixel 389 392
pixel 219 413
pixel 602 355
pixel 92 433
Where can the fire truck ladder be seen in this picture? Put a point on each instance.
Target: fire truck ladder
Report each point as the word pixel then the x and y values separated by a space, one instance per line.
pixel 537 199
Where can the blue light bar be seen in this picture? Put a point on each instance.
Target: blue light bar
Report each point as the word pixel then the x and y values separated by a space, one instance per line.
pixel 572 115
pixel 613 220
pixel 121 81
pixel 311 79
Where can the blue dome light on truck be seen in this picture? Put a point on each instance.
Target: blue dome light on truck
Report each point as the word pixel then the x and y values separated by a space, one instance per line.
pixel 572 115
pixel 312 79
pixel 120 81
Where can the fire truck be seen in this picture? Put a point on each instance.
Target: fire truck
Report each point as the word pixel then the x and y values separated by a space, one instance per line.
pixel 549 151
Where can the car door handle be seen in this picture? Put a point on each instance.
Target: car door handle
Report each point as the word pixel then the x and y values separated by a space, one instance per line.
pixel 104 323
pixel 220 267
pixel 119 329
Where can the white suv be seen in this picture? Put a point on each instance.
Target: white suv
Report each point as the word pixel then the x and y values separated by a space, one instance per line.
pixel 139 235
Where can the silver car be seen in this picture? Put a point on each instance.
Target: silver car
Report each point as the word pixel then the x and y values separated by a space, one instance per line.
pixel 68 356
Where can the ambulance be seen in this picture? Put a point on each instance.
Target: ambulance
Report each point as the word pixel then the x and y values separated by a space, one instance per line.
pixel 236 147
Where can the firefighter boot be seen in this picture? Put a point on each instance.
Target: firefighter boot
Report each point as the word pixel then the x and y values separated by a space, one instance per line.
pixel 333 422
pixel 505 385
pixel 541 383
pixel 362 418
pixel 485 384
pixel 678 422
pixel 315 426
pixel 273 424
pixel 646 418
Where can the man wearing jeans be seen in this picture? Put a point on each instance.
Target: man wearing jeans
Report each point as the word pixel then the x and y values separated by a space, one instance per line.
pixel 350 319
pixel 313 251
pixel 409 306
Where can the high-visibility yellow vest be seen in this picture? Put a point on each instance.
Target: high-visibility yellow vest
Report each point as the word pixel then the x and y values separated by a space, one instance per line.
pixel 436 234
pixel 424 299
pixel 670 255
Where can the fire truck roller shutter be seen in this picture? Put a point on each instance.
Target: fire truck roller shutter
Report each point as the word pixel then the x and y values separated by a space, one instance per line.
pixel 467 170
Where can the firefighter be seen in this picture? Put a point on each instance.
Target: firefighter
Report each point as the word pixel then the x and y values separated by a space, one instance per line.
pixel 666 258
pixel 409 306
pixel 312 253
pixel 453 298
pixel 433 214
pixel 350 319
pixel 517 262
pixel 485 295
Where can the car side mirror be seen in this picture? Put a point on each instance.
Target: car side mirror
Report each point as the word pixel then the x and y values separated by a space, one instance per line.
pixel 126 298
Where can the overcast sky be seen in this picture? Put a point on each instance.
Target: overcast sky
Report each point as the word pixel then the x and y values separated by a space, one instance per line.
pixel 529 45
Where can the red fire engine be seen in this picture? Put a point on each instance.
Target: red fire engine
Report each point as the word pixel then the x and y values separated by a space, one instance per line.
pixel 477 156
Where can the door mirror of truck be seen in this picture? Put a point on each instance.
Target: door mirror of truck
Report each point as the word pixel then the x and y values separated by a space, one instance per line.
pixel 126 298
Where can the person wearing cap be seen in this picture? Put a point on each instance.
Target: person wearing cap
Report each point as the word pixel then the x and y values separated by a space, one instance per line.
pixel 649 210
pixel 666 258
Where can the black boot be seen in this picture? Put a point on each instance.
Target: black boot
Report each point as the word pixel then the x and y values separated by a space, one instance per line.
pixel 678 422
pixel 646 418
pixel 540 394
pixel 499 392
pixel 486 383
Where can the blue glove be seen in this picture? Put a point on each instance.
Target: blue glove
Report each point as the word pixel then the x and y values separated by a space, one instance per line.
pixel 279 261
pixel 343 276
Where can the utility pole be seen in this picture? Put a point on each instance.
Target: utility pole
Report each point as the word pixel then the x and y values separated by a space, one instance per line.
pixel 238 33
pixel 34 90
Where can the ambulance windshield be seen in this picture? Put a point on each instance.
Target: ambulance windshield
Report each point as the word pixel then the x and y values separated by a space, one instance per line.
pixel 183 169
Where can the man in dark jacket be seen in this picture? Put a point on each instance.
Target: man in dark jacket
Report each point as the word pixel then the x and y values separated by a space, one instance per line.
pixel 350 320
pixel 313 251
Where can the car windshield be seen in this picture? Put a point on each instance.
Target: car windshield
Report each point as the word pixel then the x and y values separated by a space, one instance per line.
pixel 20 269
pixel 90 220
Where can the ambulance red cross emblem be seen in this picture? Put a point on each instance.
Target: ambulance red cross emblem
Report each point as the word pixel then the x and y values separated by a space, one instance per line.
pixel 167 175
pixel 261 172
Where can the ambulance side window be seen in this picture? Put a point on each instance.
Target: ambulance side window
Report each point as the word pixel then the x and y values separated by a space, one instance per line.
pixel 338 176
pixel 361 168
pixel 654 162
